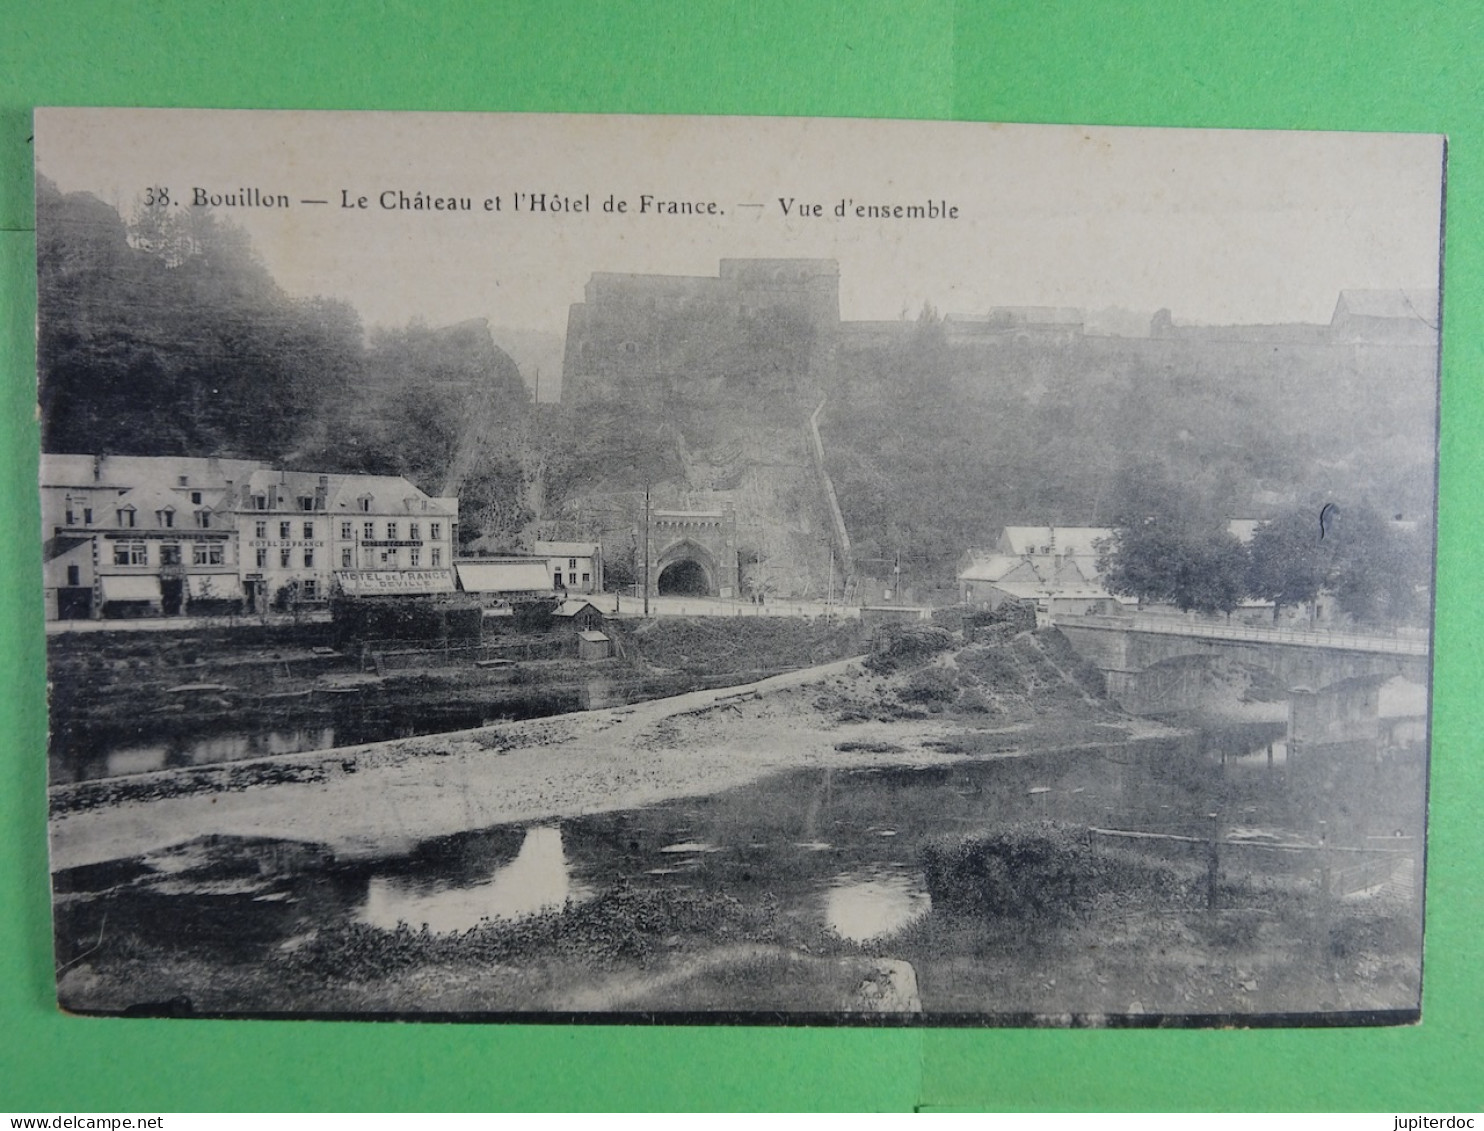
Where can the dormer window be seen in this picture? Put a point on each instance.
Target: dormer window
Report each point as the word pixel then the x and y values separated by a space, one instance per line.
pixel 126 517
pixel 166 517
pixel 365 501
pixel 260 502
pixel 203 519
pixel 306 502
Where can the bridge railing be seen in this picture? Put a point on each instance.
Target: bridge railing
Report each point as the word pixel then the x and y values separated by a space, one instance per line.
pixel 1351 641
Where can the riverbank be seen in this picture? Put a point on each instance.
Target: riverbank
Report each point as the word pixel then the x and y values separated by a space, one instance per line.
pixel 382 798
pixel 778 847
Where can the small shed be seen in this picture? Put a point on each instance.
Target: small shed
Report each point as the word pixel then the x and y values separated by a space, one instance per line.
pixel 593 645
pixel 581 615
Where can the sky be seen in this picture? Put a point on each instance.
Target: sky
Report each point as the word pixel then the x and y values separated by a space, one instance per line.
pixel 1218 226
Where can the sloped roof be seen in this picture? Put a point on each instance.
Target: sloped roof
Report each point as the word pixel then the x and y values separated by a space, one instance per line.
pixel 200 472
pixel 999 567
pixel 567 549
pixel 573 606
pixel 1078 540
pixel 503 575
pixel 1418 305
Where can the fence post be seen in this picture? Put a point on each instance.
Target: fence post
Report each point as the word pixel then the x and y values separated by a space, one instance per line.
pixel 1324 861
pixel 1213 860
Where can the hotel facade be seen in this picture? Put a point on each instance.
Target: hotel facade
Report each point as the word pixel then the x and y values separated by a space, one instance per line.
pixel 167 536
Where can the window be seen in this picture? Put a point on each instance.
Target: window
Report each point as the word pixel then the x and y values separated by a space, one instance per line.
pixel 283 559
pixel 572 580
pixel 260 502
pixel 345 559
pixel 414 557
pixel 347 531
pixel 571 563
pixel 74 575
pixel 262 559
pixel 206 553
pixel 170 554
pixel 414 531
pixel 196 497
pixel 366 504
pixel 285 530
pixel 435 530
pixel 309 530
pixel 167 518
pixel 126 516
pixel 391 532
pixel 71 519
pixel 87 516
pixel 437 555
pixel 203 519
pixel 260 529
pixel 130 553
pixel 311 589
pixel 306 502
pixel 369 534
pixel 308 559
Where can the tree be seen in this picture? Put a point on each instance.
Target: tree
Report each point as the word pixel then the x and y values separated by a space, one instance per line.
pixel 1377 571
pixel 1194 569
pixel 1290 560
pixel 1380 571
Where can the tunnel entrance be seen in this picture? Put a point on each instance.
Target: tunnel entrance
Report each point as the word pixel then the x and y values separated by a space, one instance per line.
pixel 685 578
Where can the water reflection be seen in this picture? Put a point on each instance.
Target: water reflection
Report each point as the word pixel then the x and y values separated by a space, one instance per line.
pixel 868 905
pixel 538 879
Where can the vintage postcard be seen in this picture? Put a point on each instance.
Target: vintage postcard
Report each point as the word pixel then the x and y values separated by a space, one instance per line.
pixel 847 572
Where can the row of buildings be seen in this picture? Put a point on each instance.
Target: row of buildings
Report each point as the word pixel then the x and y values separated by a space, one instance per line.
pixel 170 535
pixel 1056 569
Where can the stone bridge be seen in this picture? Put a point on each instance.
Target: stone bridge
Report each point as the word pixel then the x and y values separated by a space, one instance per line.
pixel 1153 664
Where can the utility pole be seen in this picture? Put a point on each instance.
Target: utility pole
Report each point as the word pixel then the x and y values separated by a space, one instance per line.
pixel 829 593
pixel 646 548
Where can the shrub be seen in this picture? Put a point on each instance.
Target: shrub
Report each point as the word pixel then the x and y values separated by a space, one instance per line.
pixel 1039 871
pixel 898 645
pixel 930 685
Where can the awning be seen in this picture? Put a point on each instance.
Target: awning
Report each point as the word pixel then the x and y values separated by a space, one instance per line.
pixel 504 577
pixel 140 588
pixel 215 585
pixel 371 582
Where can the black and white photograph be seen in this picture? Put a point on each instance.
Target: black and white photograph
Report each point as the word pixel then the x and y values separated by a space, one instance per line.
pixel 750 571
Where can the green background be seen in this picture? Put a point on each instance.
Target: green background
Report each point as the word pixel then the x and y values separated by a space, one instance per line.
pixel 1406 65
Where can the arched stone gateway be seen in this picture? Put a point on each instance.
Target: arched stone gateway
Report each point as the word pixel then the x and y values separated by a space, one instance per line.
pixel 685 578
pixel 693 553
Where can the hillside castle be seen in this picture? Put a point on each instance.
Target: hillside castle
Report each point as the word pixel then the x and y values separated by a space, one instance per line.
pixel 734 366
